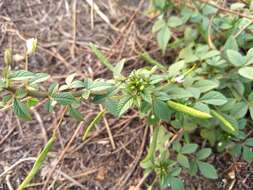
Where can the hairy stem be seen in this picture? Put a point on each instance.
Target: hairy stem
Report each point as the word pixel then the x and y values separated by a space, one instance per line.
pixel 40 94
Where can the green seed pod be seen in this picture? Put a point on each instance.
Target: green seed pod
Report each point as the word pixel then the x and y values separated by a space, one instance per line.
pixel 227 126
pixel 188 110
pixel 8 57
pixel 37 165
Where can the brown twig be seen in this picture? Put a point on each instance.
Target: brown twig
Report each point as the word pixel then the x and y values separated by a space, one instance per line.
pixel 243 28
pixel 74 14
pixel 101 14
pixel 120 148
pixel 66 63
pixel 115 126
pixel 16 164
pixel 108 129
pixel 127 26
pixel 176 136
pixel 124 178
pixel 41 124
pixel 7 135
pixel 57 122
pixel 138 186
pixel 7 178
pixel 210 41
pixel 71 179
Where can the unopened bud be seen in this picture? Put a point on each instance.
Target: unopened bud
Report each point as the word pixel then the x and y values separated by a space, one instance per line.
pixel 152 117
pixel 220 144
pixel 53 103
pixel 179 79
pixel 31 45
pixel 7 57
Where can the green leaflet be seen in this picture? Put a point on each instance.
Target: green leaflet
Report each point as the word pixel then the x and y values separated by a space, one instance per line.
pixel 21 110
pixel 189 148
pixel 214 98
pixel 204 153
pixel 39 77
pixel 123 105
pixel 246 72
pixel 207 170
pixel 231 43
pixel 146 57
pixel 37 165
pixel 175 21
pixel 21 75
pixel 247 154
pixel 183 160
pixel 163 37
pixel 118 68
pixel 65 98
pixel 75 114
pixel 179 93
pixel 176 68
pixel 235 58
pixel 101 57
pixel 176 183
pixel 161 110
pixel 100 87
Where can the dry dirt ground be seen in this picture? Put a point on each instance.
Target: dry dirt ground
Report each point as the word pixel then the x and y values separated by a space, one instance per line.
pixel 64 28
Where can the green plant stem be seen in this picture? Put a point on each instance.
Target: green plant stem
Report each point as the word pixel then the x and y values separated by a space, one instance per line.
pixel 26 61
pixel 152 145
pixel 40 94
pixel 187 137
pixel 26 65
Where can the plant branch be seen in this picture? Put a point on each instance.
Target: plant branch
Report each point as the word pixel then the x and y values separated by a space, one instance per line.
pixel 40 94
pixel 226 10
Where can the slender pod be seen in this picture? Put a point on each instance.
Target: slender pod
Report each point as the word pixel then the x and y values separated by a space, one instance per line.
pixel 93 123
pixel 227 126
pixel 188 110
pixel 37 165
